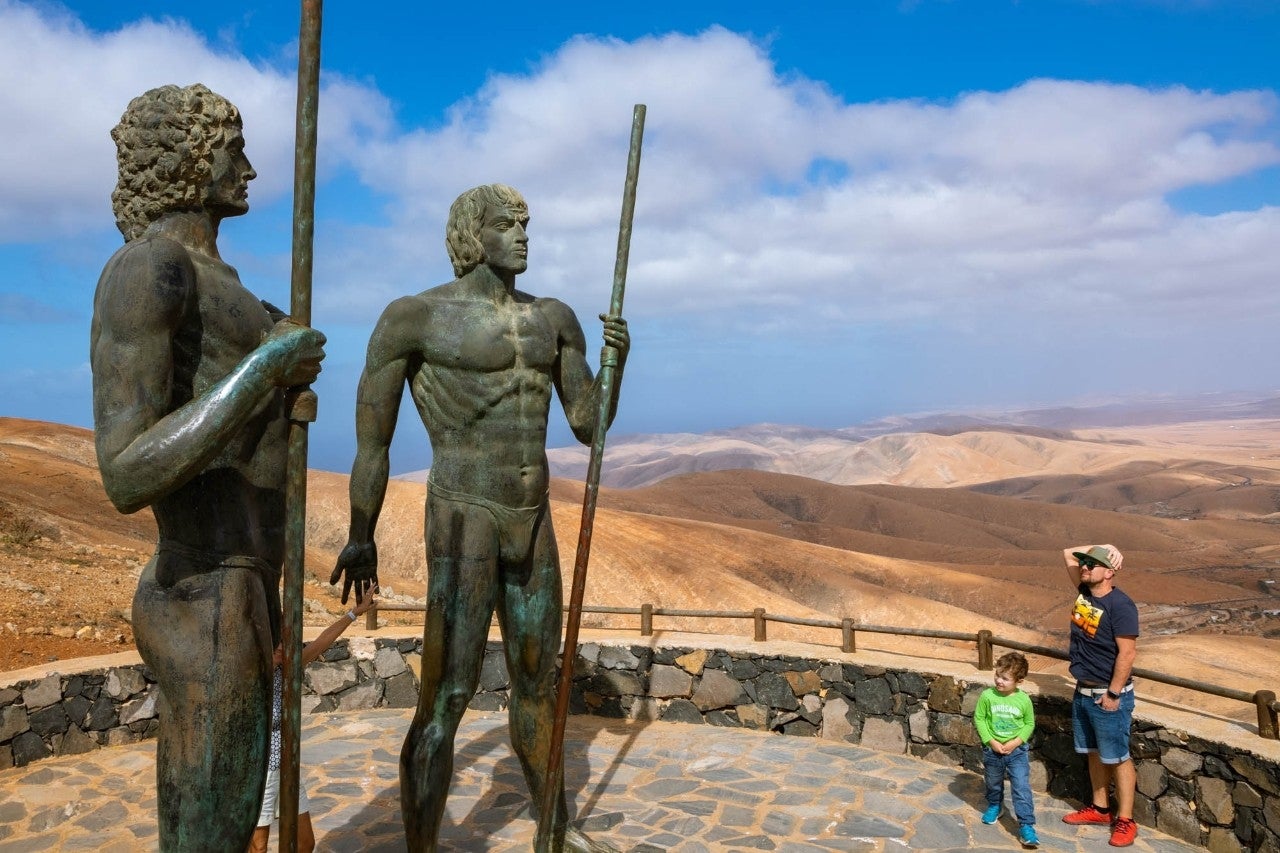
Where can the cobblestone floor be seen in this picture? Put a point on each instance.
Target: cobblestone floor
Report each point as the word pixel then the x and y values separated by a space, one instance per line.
pixel 641 788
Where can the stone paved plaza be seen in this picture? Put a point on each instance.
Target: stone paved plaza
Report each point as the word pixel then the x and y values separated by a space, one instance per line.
pixel 640 787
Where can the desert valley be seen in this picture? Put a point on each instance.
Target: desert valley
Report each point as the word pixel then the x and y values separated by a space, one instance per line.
pixel 945 526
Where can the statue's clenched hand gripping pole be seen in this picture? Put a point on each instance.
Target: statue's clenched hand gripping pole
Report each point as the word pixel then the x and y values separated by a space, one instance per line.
pixel 608 364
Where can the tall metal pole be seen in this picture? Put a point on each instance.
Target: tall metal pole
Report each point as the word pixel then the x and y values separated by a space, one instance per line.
pixel 303 405
pixel 608 367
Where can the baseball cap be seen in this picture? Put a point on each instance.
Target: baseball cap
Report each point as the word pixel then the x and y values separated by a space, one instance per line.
pixel 1097 554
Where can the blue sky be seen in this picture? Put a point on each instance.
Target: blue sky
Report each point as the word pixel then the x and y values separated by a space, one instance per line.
pixel 846 210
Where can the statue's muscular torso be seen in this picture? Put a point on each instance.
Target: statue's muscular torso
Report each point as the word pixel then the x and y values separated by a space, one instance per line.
pixel 159 302
pixel 481 376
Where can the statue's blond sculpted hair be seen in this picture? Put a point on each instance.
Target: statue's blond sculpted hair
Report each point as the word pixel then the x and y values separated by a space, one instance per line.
pixel 164 148
pixel 466 216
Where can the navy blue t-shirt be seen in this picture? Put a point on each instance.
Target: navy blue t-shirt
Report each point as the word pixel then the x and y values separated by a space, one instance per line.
pixel 1095 624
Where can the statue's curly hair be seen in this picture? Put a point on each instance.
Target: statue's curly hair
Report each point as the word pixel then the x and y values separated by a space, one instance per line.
pixel 164 148
pixel 466 215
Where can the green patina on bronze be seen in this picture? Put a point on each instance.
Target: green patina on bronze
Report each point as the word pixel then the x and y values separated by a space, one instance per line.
pixel 189 379
pixel 481 360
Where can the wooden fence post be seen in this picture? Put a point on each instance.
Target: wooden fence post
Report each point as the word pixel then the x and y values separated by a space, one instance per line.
pixel 984 650
pixel 1263 699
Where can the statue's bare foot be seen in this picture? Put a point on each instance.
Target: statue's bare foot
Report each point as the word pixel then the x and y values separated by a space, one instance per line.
pixel 577 841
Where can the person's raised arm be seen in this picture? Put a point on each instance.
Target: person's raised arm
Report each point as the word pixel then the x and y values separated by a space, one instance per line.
pixel 1073 562
pixel 579 390
pixel 145 451
pixel 314 649
pixel 377 407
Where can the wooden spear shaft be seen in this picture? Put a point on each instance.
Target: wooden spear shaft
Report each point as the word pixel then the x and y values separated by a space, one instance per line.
pixel 608 369
pixel 303 405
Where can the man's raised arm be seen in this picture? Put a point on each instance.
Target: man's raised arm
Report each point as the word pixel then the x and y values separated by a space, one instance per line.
pixel 1073 562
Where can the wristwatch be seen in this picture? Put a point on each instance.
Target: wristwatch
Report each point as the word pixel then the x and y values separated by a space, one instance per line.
pixel 1111 694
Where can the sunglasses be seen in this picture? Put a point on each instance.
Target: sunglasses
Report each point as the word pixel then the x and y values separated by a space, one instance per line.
pixel 1090 565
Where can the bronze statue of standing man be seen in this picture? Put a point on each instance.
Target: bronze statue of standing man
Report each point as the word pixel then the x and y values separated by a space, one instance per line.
pixel 189 378
pixel 481 359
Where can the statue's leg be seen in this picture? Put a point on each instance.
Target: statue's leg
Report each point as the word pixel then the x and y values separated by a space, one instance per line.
pixel 529 611
pixel 207 639
pixel 462 567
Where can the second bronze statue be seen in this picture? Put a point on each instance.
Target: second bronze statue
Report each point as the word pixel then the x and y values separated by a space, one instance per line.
pixel 481 360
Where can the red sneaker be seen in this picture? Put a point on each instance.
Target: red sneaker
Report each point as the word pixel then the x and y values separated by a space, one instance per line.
pixel 1123 832
pixel 1089 814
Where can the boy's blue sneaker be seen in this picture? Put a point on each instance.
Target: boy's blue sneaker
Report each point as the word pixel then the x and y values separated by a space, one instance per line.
pixel 991 815
pixel 1027 835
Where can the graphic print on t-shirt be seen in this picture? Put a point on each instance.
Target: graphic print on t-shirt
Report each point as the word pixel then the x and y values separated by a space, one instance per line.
pixel 1085 616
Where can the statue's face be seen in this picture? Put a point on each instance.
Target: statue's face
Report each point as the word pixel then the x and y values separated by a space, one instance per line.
pixel 506 245
pixel 228 193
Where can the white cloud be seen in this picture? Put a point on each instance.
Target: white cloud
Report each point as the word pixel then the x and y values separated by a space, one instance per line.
pixel 765 201
pixel 66 87
pixel 768 197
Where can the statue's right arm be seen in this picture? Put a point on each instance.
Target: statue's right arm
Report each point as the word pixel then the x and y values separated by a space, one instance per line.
pixel 381 389
pixel 145 449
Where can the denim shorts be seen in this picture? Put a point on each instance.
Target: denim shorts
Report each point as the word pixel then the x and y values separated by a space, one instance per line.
pixel 1104 732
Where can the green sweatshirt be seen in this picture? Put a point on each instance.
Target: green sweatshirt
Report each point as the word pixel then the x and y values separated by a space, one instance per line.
pixel 1002 718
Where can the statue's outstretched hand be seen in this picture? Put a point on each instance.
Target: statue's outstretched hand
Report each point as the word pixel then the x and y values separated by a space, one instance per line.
pixel 359 563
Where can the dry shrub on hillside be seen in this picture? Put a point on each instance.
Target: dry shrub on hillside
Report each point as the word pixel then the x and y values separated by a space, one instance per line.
pixel 22 527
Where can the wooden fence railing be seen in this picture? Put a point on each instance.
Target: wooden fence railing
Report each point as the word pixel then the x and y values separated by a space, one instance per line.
pixel 1264 701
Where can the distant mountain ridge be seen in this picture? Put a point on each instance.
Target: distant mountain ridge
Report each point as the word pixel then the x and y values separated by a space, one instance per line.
pixel 1129 412
pixel 932 449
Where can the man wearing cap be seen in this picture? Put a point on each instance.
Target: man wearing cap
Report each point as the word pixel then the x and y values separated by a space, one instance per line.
pixel 1104 644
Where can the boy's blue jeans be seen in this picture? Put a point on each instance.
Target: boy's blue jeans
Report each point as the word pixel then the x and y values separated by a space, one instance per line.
pixel 1017 765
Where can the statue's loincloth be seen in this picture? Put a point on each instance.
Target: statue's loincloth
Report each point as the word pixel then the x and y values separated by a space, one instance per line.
pixel 175 562
pixel 516 526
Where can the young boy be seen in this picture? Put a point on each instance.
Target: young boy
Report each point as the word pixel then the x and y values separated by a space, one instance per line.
pixel 1005 719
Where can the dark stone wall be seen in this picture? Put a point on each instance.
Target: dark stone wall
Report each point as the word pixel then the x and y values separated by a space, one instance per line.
pixel 1202 792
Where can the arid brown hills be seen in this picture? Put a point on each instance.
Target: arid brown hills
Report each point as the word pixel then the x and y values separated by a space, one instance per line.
pixel 1193 506
pixel 982 454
